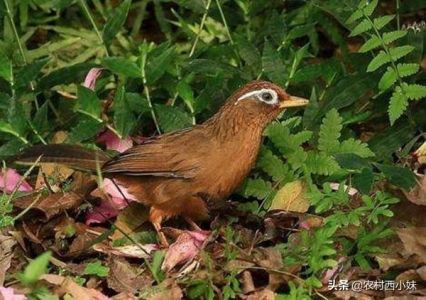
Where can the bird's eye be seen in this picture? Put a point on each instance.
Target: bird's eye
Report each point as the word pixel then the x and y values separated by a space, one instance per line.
pixel 266 96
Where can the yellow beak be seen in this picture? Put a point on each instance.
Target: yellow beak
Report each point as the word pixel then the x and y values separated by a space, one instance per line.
pixel 294 102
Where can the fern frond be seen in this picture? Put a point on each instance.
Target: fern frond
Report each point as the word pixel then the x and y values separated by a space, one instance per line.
pixel 381 22
pixel 258 188
pixel 330 132
pixel 405 70
pixel 398 52
pixel 321 164
pixel 389 37
pixel 272 165
pixel 362 27
pixel 414 91
pixel 378 61
pixel 388 79
pixel 398 103
pixel 371 44
pixel 355 147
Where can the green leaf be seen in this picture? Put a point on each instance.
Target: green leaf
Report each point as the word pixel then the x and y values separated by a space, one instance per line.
pixel 115 21
pixel 41 120
pixel 96 268
pixel 321 164
pixel 384 143
pixel 35 269
pixel 171 118
pixel 271 164
pixel 364 181
pixel 17 117
pixel 124 118
pixel 389 37
pixel 123 66
pixel 5 127
pixel 388 79
pixel 369 9
pixel 405 70
pixel 371 44
pixel 355 16
pixel 414 91
pixel 380 59
pixel 273 65
pixel 159 61
pixel 88 102
pixel 361 28
pixel 355 147
pixel 398 52
pixel 329 133
pixel 85 129
pixel 6 71
pixel 400 177
pixel 258 188
pixel 248 52
pixel 381 22
pixel 397 105
pixel 29 72
pixel 186 93
pixel 66 75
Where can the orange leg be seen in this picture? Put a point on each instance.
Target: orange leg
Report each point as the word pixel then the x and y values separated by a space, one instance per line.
pixel 156 217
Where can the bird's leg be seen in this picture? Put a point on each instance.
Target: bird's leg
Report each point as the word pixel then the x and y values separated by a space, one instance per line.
pixel 161 235
pixel 192 224
pixel 156 217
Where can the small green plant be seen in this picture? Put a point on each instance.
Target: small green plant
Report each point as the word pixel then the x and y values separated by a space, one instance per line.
pixel 390 53
pixel 32 273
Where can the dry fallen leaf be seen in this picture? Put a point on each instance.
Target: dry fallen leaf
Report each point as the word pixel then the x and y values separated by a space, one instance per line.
pixel 417 194
pixel 414 241
pixel 291 197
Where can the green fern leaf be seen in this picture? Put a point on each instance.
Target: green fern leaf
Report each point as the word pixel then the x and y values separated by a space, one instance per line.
pixel 381 22
pixel 369 9
pixel 330 132
pixel 362 4
pixel 389 37
pixel 297 158
pixel 378 61
pixel 258 188
pixel 272 165
pixel 301 137
pixel 414 91
pixel 355 16
pixel 355 147
pixel 405 70
pixel 398 103
pixel 398 52
pixel 321 164
pixel 372 43
pixel 361 27
pixel 388 79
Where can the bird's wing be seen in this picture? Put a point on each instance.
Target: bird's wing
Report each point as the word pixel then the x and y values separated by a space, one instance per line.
pixel 170 155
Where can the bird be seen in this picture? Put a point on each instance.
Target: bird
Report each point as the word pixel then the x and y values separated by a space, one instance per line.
pixel 174 173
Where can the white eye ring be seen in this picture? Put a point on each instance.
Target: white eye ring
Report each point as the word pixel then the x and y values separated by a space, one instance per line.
pixel 268 96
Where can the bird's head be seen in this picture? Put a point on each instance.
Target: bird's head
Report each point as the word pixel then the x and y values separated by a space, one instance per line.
pixel 263 98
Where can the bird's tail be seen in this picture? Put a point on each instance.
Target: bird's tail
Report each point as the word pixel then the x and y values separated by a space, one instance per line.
pixel 73 156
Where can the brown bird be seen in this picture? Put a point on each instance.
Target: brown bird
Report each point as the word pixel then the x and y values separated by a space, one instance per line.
pixel 174 173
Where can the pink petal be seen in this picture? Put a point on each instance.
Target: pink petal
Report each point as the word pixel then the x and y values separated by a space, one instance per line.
pixel 9 294
pixel 91 77
pixel 102 213
pixel 113 142
pixel 9 179
pixel 117 191
pixel 185 249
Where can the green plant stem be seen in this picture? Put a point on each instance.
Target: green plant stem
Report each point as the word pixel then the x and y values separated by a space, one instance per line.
pixel 15 31
pixel 146 90
pixel 398 17
pixel 92 21
pixel 203 20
